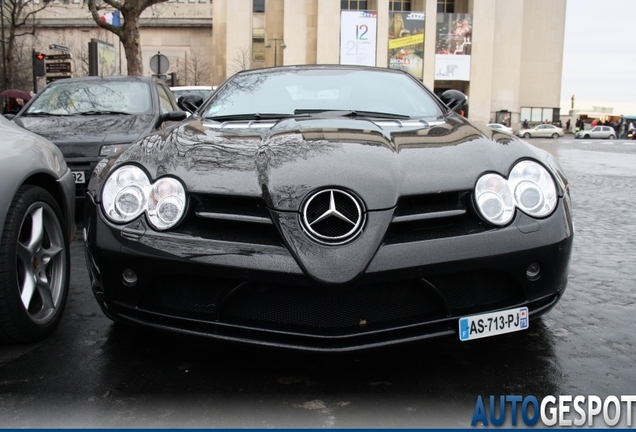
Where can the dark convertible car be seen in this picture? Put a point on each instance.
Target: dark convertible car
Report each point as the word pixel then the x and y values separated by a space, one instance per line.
pixel 328 208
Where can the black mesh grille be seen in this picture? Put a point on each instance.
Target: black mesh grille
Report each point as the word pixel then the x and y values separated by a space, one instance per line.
pixel 471 290
pixel 276 305
pixel 191 295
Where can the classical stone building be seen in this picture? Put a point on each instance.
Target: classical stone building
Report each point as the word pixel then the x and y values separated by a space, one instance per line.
pixel 511 52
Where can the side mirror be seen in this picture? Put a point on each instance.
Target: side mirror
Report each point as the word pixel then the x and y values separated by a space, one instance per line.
pixel 171 116
pixel 455 100
pixel 9 116
pixel 190 102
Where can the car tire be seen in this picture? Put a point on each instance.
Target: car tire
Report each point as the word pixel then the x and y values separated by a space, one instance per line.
pixel 526 135
pixel 555 135
pixel 611 137
pixel 34 267
pixel 586 136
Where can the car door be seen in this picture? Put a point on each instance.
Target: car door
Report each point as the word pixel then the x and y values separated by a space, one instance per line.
pixel 542 131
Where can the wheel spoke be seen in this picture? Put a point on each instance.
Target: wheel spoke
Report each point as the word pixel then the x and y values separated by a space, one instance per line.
pixel 37 230
pixel 24 255
pixel 28 289
pixel 44 289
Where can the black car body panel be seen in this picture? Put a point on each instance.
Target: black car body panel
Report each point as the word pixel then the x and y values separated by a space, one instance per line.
pixel 241 265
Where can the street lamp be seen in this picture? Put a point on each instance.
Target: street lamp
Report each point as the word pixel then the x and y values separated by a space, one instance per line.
pixel 268 45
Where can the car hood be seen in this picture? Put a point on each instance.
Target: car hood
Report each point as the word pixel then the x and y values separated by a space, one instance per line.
pixel 284 161
pixel 73 133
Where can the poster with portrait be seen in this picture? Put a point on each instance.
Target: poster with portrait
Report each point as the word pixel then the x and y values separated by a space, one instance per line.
pixel 358 34
pixel 406 42
pixel 453 46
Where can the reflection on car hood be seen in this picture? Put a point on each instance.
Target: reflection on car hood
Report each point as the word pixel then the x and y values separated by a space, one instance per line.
pixel 283 161
pixel 101 129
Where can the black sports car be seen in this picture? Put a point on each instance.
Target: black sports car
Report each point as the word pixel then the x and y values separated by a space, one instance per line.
pixel 89 118
pixel 328 208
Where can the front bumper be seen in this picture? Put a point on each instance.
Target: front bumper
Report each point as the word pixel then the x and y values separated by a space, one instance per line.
pixel 260 294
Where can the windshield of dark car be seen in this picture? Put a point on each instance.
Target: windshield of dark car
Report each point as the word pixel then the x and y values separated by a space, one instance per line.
pixel 82 97
pixel 290 91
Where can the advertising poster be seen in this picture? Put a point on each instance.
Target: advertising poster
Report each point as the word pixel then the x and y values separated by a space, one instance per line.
pixel 358 30
pixel 108 60
pixel 406 42
pixel 453 47
pixel 103 58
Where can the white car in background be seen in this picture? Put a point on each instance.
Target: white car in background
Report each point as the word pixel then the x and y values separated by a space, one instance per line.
pixel 500 127
pixel 603 132
pixel 203 91
pixel 541 131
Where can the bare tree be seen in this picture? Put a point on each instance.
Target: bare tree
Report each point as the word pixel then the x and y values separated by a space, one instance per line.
pixel 197 69
pixel 79 53
pixel 128 31
pixel 22 73
pixel 242 60
pixel 18 17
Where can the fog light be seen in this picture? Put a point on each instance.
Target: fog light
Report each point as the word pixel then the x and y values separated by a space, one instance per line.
pixel 130 277
pixel 533 272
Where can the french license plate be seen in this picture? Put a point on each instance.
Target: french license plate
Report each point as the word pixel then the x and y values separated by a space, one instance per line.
pixel 78 176
pixel 494 323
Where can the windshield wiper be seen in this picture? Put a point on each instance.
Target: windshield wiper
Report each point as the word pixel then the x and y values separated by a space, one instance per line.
pixel 101 112
pixel 43 114
pixel 351 113
pixel 254 116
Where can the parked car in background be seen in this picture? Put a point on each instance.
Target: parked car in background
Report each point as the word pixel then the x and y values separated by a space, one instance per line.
pixel 93 117
pixel 203 91
pixel 307 207
pixel 602 132
pixel 541 131
pixel 500 127
pixel 37 218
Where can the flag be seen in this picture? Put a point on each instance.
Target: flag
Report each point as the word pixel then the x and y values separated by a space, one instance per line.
pixel 112 18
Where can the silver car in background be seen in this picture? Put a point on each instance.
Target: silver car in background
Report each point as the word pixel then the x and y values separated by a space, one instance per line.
pixel 541 131
pixel 37 218
pixel 602 132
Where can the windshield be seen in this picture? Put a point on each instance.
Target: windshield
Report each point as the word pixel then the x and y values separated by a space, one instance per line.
pixel 93 97
pixel 292 91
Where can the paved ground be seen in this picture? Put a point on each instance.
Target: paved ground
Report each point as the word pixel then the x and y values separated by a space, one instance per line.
pixel 92 373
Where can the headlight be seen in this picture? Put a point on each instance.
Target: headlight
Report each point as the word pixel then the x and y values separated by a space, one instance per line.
pixel 529 187
pixel 128 193
pixel 112 149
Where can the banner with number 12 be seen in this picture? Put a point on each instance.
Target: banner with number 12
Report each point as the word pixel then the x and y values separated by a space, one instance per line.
pixel 358 30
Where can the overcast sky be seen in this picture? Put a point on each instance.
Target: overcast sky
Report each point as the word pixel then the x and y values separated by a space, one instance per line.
pixel 599 55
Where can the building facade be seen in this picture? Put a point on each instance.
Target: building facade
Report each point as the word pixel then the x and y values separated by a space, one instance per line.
pixel 510 53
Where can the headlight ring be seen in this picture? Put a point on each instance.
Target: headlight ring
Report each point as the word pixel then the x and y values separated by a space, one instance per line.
pixel 128 193
pixel 529 187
